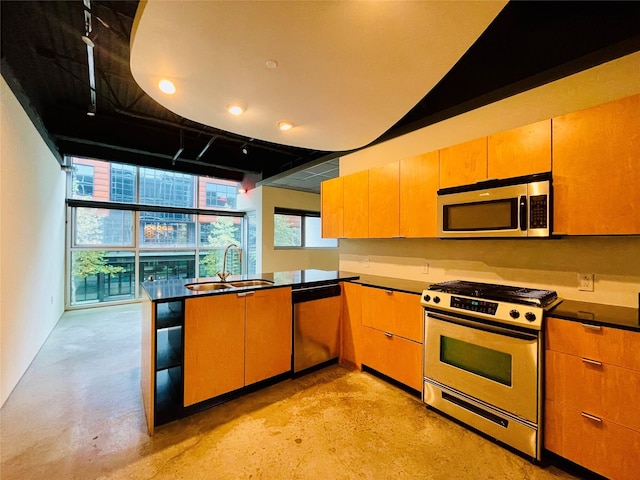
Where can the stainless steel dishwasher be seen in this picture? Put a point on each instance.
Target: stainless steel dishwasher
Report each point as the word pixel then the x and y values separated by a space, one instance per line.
pixel 316 326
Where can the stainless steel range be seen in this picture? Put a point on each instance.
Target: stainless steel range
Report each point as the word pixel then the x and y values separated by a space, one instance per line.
pixel 483 355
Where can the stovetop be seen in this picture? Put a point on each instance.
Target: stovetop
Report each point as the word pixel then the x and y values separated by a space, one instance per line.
pixel 504 293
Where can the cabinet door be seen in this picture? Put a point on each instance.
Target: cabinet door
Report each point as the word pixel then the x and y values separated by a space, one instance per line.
pixel 595 169
pixel 599 445
pixel 419 180
pixel 384 201
pixel 213 346
pixel 393 356
pixel 268 334
pixel 521 151
pixel 464 163
pixel 332 208
pixel 351 324
pixel 356 205
pixel 398 313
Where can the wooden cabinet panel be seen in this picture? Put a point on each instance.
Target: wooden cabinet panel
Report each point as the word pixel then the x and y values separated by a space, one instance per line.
pixel 351 325
pixel 602 446
pixel 598 389
pixel 464 163
pixel 419 182
pixel 213 346
pixel 384 201
pixel 356 205
pixel 331 194
pixel 521 151
pixel 393 312
pixel 595 169
pixel 268 334
pixel 393 356
pixel 605 344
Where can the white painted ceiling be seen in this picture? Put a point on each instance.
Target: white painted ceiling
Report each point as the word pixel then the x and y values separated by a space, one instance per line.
pixel 347 70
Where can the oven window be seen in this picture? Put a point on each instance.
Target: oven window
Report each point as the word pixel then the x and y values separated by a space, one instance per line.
pixel 473 358
pixel 476 216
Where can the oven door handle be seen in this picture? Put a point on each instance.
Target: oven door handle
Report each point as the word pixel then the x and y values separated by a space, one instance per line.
pixel 483 326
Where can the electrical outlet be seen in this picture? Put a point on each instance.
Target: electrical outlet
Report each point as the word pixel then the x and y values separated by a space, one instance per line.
pixel 585 282
pixel 366 262
pixel 425 267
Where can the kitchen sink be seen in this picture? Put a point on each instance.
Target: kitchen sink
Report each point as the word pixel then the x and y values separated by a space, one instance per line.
pixel 206 286
pixel 250 283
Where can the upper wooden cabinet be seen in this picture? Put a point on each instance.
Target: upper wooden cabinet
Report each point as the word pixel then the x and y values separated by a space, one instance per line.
pixel 331 193
pixel 596 171
pixel 464 163
pixel 356 205
pixel 521 151
pixel 419 180
pixel 384 201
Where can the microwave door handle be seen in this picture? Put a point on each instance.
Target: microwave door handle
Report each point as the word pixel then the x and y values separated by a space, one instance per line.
pixel 523 213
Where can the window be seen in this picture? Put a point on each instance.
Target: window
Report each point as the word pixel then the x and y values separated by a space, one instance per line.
pixel 123 183
pixel 82 181
pixel 301 229
pixel 221 196
pixel 169 189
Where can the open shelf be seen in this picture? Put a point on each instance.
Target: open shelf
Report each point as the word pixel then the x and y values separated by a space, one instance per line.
pixel 169 314
pixel 169 348
pixel 168 395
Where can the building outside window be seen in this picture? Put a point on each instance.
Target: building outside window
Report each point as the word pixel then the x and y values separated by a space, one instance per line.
pixel 111 247
pixel 299 229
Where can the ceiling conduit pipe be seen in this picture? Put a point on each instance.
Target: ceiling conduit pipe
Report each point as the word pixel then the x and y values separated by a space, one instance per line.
pixel 88 40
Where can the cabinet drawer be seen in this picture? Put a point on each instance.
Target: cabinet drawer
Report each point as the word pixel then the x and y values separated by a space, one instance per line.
pixel 393 356
pixel 605 344
pixel 601 389
pixel 601 446
pixel 394 312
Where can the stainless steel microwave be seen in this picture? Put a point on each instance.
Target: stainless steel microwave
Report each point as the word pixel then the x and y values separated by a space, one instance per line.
pixel 513 207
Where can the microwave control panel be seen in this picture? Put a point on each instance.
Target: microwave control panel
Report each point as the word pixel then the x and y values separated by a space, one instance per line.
pixel 538 210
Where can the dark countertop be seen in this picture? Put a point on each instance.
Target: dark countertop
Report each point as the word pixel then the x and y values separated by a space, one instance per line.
pixel 174 289
pixel 594 313
pixel 597 314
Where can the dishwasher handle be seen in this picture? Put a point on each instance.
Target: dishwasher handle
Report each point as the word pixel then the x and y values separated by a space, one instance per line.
pixel 315 293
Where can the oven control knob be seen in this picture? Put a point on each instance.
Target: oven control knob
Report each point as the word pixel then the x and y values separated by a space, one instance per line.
pixel 436 299
pixel 427 298
pixel 530 316
pixel 514 313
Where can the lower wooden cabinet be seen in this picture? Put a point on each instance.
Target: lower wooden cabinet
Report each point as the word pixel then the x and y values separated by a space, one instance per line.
pixel 233 340
pixel 394 356
pixel 592 379
pixel 595 443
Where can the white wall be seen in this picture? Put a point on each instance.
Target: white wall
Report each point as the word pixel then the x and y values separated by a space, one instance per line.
pixel 264 200
pixel 32 219
pixel 615 261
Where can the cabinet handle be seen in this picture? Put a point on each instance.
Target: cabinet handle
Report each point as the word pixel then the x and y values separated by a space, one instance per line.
pixel 592 327
pixel 592 362
pixel 591 417
pixel 389 292
pixel 389 335
pixel 245 294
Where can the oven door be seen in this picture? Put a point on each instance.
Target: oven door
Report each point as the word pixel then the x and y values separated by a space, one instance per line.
pixel 495 365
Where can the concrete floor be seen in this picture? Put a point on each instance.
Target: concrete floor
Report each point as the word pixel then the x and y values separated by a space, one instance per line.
pixel 77 414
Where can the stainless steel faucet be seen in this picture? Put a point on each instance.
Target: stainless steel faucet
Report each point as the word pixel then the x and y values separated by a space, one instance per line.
pixel 224 274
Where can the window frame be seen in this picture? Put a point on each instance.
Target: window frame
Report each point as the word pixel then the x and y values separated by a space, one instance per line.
pixel 303 214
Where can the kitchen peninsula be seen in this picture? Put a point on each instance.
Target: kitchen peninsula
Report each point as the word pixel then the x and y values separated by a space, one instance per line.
pixel 203 347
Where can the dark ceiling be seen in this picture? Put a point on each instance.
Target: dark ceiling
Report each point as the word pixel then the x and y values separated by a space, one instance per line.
pixel 45 63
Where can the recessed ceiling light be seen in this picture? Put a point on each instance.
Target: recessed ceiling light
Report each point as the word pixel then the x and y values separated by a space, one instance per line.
pixel 285 125
pixel 236 108
pixel 272 64
pixel 167 87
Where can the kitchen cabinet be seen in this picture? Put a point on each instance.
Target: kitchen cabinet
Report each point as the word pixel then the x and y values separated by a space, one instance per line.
pixel 392 326
pixel 419 181
pixel 591 374
pixel 463 163
pixel 595 169
pixel 331 194
pixel 384 201
pixel 351 325
pixel 520 151
pixel 234 340
pixel 356 205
